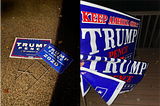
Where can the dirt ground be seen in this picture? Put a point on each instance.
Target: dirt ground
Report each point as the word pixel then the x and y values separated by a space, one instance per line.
pixel 30 82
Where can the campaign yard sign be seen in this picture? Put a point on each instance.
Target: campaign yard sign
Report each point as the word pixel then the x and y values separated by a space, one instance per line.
pixel 28 47
pixel 129 71
pixel 106 86
pixel 55 57
pixel 107 32
pixel 110 76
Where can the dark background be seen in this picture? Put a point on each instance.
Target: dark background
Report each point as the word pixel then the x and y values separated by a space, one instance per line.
pixel 129 5
pixel 67 92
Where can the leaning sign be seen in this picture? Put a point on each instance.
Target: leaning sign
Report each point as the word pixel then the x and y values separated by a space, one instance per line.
pixel 106 34
pixel 28 47
pixel 55 57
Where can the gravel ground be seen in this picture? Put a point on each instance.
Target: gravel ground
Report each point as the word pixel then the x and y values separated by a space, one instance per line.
pixel 27 82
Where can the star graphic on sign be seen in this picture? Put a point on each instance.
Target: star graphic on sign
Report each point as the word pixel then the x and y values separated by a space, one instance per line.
pixel 100 92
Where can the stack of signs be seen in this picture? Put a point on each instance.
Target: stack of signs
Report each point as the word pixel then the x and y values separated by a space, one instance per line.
pixel 28 47
pixel 107 35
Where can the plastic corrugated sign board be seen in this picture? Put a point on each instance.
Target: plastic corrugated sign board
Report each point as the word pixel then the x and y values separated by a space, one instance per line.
pixel 28 47
pixel 55 57
pixel 107 32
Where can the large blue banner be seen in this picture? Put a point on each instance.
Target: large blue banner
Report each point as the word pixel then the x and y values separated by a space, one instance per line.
pixel 107 45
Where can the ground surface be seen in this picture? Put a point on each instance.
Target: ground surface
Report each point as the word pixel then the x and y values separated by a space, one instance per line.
pixel 29 82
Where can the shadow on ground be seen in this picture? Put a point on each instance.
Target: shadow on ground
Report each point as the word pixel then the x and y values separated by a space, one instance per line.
pixel 67 89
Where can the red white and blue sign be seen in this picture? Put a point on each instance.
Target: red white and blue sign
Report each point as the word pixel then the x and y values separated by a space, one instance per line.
pixel 55 57
pixel 110 76
pixel 28 47
pixel 107 46
pixel 107 32
pixel 127 70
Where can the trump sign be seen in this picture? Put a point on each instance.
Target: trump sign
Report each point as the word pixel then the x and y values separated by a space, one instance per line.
pixel 28 47
pixel 55 57
pixel 107 46
pixel 106 32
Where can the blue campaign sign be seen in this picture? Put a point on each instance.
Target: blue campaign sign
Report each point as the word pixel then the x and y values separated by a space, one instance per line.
pixel 106 86
pixel 107 32
pixel 85 86
pixel 129 71
pixel 55 57
pixel 28 47
pixel 105 74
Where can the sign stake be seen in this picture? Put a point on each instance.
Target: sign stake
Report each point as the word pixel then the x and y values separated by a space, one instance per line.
pixel 84 101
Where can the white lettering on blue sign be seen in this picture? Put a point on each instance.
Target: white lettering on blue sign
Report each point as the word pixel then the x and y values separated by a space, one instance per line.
pixel 51 59
pixel 111 66
pixel 27 48
pixel 30 46
pixel 128 36
pixel 55 58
